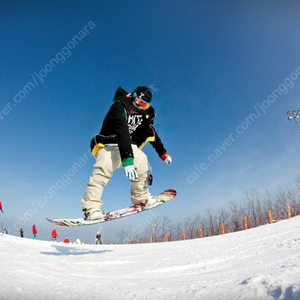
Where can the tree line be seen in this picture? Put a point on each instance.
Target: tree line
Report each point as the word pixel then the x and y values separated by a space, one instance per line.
pixel 255 207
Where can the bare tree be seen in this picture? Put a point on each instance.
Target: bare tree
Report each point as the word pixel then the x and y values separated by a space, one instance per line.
pixel 122 235
pixel 223 217
pixel 191 225
pixel 177 232
pixel 213 229
pixel 195 226
pixel 154 229
pixel 297 181
pixel 204 226
pixel 186 225
pixel 236 217
pixel 281 203
pixel 166 225
pixel 293 200
pixel 256 214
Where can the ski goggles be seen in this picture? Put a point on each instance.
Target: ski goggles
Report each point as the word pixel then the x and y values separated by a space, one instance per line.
pixel 141 103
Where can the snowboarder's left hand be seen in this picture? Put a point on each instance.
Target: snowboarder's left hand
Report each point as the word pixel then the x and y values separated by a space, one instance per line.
pixel 166 158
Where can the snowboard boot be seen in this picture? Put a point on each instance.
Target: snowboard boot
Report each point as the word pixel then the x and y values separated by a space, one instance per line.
pixel 151 201
pixel 94 214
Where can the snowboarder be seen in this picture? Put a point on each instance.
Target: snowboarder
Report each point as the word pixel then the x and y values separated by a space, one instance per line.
pixel 34 231
pixel 1 207
pixel 98 238
pixel 54 235
pixel 21 232
pixel 128 125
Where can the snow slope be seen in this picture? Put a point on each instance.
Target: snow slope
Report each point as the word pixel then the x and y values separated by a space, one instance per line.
pixel 260 263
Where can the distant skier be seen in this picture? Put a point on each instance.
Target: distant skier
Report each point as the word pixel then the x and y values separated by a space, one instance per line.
pixel 1 207
pixel 66 240
pixel 78 241
pixel 98 238
pixel 54 235
pixel 21 232
pixel 34 231
pixel 126 128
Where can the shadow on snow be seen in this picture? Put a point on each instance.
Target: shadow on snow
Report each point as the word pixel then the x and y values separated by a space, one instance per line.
pixel 62 250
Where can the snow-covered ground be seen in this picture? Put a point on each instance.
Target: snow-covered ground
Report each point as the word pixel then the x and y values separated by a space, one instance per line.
pixel 260 263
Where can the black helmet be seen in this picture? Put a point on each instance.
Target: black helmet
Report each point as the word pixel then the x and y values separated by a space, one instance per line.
pixel 142 92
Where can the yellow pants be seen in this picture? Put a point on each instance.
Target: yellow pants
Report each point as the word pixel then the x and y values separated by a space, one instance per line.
pixel 107 161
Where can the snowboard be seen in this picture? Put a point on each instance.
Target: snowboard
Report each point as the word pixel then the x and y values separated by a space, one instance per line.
pixel 161 198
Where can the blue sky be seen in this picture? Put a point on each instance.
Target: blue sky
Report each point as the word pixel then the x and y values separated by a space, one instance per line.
pixel 223 75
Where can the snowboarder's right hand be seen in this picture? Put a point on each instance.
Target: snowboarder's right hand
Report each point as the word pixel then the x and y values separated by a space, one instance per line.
pixel 130 172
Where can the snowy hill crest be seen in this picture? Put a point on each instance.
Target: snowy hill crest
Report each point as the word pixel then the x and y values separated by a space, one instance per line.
pixel 261 263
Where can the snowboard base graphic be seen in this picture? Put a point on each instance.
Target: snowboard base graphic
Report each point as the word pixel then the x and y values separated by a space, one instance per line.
pixel 161 198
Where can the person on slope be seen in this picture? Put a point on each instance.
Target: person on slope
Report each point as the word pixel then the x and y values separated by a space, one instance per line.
pixel 78 241
pixel 127 126
pixel 54 235
pixel 34 231
pixel 98 238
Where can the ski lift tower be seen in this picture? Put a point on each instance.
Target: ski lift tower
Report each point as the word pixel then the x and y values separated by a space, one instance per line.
pixel 295 114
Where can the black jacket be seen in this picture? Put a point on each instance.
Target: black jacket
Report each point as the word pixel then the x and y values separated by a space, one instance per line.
pixel 126 125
